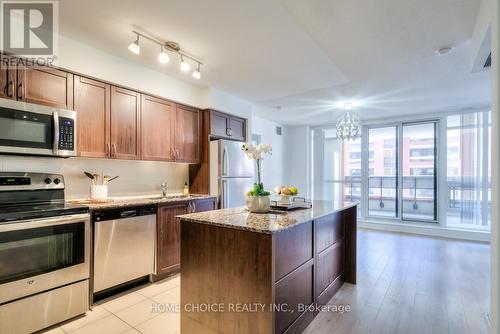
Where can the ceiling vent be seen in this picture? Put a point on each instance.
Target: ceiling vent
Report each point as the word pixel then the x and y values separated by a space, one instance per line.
pixel 278 130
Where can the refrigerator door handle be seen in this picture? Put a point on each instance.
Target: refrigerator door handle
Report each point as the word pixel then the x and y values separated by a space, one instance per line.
pixel 225 162
pixel 224 194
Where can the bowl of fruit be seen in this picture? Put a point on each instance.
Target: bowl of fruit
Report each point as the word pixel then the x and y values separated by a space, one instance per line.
pixel 286 194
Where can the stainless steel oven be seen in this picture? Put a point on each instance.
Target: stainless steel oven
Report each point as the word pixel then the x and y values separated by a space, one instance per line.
pixel 44 253
pixel 27 128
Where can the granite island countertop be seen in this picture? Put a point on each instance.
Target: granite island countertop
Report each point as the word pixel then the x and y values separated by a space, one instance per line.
pixel 275 221
pixel 121 202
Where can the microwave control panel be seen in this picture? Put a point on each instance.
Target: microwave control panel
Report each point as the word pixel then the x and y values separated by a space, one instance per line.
pixel 66 134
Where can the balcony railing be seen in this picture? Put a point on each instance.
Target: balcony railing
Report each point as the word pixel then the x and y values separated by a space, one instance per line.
pixel 465 196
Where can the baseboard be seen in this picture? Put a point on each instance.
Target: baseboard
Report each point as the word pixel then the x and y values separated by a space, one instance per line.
pixel 441 232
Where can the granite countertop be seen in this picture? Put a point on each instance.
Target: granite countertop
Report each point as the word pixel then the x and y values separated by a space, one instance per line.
pixel 135 201
pixel 275 221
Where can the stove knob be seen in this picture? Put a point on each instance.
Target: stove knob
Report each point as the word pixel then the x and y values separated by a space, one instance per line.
pixel 57 181
pixel 48 181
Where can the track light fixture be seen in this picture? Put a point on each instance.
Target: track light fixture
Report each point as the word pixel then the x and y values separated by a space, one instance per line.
pixel 165 49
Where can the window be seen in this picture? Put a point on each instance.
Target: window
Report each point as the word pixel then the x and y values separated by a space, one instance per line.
pixel 337 167
pixel 468 168
pixel 393 171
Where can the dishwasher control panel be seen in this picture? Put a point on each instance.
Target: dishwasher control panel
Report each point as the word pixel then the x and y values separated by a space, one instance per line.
pixel 123 212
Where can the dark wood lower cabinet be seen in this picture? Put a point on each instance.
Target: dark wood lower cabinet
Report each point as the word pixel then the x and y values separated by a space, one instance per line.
pixel 287 272
pixel 168 231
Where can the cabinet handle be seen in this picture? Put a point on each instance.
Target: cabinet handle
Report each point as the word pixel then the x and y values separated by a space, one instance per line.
pixel 172 154
pixel 113 150
pixel 10 85
pixel 20 91
pixel 108 153
pixel 194 206
pixel 229 132
pixel 176 153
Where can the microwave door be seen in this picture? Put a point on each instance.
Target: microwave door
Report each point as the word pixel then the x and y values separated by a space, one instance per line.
pixel 26 132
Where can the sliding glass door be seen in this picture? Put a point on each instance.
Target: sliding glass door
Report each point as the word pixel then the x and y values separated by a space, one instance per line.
pixel 402 174
pixel 419 172
pixel 383 172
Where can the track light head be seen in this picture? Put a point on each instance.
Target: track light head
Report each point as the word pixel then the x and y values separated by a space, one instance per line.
pixel 134 46
pixel 197 73
pixel 163 57
pixel 185 66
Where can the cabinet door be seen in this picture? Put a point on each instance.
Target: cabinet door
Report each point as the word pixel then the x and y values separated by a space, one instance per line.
pixel 7 78
pixel 158 129
pixel 92 106
pixel 46 86
pixel 237 128
pixel 187 134
pixel 125 124
pixel 202 205
pixel 169 238
pixel 219 124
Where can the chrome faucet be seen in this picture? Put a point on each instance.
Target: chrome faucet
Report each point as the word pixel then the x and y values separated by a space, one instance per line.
pixel 163 188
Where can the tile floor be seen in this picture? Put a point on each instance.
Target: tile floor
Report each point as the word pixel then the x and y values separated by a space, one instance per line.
pixel 130 312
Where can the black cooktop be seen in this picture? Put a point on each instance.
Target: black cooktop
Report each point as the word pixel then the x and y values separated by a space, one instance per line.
pixel 34 211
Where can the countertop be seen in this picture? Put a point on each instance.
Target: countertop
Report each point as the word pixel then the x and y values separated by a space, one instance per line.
pixel 135 201
pixel 275 221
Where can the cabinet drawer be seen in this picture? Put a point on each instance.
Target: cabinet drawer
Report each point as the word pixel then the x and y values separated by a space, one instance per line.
pixel 293 248
pixel 329 229
pixel 330 266
pixel 293 290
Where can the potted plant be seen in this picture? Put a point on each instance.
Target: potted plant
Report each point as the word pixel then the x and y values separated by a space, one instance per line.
pixel 258 200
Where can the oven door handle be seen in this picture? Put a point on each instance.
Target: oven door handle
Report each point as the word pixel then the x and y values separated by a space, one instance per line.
pixel 55 147
pixel 44 222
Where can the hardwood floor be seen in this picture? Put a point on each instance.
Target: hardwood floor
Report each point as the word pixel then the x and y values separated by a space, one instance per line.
pixel 413 284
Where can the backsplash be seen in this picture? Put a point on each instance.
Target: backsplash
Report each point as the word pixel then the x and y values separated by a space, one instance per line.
pixel 136 177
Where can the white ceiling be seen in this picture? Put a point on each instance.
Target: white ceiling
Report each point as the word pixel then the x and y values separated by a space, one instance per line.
pixel 306 56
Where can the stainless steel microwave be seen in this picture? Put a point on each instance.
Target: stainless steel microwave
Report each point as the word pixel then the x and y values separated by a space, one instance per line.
pixel 33 129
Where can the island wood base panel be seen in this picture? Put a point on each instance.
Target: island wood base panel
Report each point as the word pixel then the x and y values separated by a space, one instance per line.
pixel 228 268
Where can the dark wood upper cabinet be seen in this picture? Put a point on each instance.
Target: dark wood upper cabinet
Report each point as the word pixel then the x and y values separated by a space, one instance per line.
pixel 8 79
pixel 92 104
pixel 187 134
pixel 158 129
pixel 45 86
pixel 125 124
pixel 237 128
pixel 219 123
pixel 226 126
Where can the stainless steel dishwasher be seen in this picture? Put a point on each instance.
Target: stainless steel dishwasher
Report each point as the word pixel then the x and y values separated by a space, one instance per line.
pixel 124 245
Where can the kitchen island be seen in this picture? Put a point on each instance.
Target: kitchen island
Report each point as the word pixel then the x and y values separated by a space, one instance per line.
pixel 264 273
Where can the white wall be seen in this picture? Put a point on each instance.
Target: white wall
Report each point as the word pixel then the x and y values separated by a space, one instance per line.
pixel 273 165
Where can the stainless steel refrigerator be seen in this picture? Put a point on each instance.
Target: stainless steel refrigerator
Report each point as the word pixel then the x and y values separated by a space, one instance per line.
pixel 231 173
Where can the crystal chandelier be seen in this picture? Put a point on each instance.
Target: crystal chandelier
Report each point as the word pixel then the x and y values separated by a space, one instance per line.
pixel 348 125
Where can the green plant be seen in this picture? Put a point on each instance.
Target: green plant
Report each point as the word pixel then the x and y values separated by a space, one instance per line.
pixel 258 190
